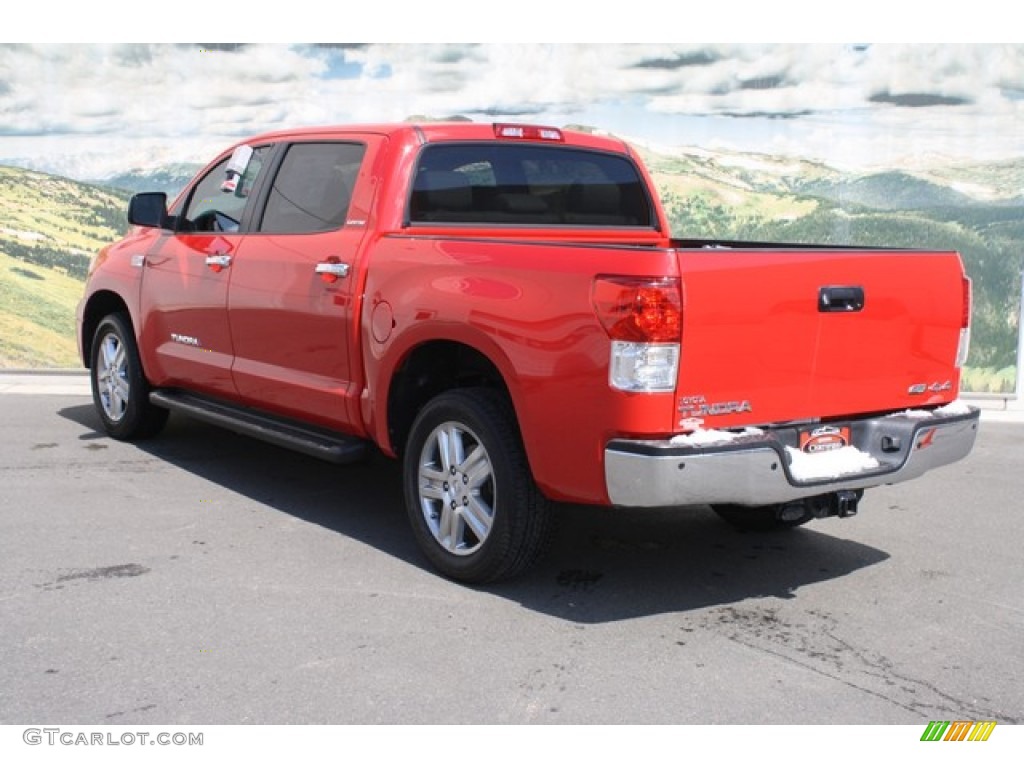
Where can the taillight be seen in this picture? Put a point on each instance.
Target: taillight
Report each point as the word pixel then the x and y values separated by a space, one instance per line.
pixel 965 318
pixel 643 317
pixel 964 346
pixel 639 309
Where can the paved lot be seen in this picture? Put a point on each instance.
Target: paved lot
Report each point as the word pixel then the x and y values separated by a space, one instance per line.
pixel 206 578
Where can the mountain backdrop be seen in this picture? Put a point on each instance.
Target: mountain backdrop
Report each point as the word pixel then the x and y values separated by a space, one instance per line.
pixel 51 226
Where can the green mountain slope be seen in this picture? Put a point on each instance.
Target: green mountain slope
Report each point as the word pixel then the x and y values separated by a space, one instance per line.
pixel 50 227
pixel 37 316
pixel 889 191
pixel 976 210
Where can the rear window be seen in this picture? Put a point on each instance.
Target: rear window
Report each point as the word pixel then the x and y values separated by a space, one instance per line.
pixel 527 184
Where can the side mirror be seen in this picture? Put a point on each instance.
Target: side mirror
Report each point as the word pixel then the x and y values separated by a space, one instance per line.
pixel 148 209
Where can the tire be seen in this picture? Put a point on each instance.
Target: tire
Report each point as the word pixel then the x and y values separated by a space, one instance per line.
pixel 761 519
pixel 119 388
pixel 475 510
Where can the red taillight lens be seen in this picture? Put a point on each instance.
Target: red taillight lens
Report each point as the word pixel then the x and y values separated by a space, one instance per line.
pixel 639 309
pixel 963 347
pixel 965 321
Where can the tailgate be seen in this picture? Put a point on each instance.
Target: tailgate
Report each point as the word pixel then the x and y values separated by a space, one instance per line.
pixel 783 335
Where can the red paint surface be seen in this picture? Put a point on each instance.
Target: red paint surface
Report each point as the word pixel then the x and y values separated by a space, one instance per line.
pixel 274 335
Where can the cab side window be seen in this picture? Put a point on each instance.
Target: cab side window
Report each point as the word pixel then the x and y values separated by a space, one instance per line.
pixel 216 207
pixel 313 189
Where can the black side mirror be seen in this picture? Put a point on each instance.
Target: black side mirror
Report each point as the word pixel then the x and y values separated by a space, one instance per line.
pixel 148 209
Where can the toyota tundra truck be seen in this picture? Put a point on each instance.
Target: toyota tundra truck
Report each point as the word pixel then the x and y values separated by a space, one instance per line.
pixel 502 308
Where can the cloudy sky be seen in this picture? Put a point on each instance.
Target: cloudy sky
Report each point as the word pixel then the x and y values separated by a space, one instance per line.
pixel 92 110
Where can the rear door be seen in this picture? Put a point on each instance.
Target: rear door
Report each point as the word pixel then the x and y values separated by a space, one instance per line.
pixel 781 335
pixel 185 338
pixel 293 287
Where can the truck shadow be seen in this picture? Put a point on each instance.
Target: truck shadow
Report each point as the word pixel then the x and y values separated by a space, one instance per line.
pixel 609 565
pixel 605 565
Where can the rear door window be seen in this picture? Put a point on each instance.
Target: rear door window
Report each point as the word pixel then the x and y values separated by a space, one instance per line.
pixel 313 188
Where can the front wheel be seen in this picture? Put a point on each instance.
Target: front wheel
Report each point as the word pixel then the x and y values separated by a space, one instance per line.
pixel 119 388
pixel 475 510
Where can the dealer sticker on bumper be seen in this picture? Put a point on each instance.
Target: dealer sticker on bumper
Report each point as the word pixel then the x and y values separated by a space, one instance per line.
pixel 823 439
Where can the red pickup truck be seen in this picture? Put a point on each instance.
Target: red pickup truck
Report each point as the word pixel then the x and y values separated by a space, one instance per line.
pixel 502 306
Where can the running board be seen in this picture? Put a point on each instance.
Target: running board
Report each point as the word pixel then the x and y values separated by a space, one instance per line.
pixel 329 446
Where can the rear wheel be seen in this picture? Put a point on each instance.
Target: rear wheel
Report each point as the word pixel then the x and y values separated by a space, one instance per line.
pixel 119 388
pixel 475 510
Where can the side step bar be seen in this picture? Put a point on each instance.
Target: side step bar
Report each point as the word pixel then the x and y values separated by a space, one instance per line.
pixel 328 446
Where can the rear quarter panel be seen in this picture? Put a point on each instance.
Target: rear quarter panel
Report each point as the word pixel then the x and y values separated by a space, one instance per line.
pixel 526 307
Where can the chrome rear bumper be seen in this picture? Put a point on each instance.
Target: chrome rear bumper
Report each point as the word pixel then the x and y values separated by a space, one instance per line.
pixel 755 470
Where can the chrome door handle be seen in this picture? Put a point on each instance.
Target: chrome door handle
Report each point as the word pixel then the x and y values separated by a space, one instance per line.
pixel 219 260
pixel 338 269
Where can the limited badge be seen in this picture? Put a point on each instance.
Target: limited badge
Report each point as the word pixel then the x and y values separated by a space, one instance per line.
pixel 823 439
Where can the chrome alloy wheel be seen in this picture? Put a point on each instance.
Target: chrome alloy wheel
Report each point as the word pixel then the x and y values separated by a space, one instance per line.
pixel 456 488
pixel 112 377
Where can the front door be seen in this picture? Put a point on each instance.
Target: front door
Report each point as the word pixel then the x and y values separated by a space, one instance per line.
pixel 185 335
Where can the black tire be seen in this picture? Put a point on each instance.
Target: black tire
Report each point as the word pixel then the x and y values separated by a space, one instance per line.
pixel 119 387
pixel 761 519
pixel 475 510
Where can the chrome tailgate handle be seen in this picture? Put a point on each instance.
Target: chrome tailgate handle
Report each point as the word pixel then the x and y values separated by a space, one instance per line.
pixel 840 298
pixel 220 261
pixel 338 269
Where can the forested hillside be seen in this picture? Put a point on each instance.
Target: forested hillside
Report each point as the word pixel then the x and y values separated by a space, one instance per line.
pixel 51 226
pixel 767 199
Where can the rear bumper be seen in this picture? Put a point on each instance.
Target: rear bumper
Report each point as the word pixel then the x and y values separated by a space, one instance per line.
pixel 757 469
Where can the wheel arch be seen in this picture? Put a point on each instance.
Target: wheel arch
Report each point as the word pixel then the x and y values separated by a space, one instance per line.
pixel 100 304
pixel 429 369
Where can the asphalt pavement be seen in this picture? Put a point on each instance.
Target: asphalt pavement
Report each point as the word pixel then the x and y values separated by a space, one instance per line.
pixel 202 577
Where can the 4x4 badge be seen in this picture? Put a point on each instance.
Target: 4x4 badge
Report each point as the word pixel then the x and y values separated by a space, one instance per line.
pixel 935 386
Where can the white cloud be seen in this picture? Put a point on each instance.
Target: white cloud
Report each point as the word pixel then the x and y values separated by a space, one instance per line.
pixel 854 102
